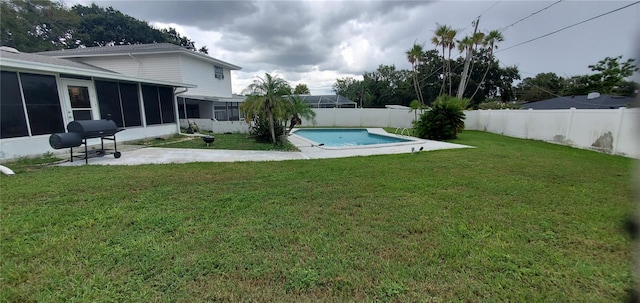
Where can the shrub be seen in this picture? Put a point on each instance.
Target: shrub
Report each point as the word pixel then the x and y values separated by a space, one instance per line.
pixel 498 105
pixel 260 131
pixel 444 121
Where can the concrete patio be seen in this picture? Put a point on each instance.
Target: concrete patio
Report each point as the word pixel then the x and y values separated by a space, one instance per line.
pixel 137 155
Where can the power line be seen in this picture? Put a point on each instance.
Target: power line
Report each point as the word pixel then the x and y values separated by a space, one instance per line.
pixel 486 10
pixel 531 15
pixel 490 7
pixel 570 26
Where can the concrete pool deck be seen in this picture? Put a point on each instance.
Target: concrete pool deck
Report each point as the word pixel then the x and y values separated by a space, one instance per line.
pixel 137 155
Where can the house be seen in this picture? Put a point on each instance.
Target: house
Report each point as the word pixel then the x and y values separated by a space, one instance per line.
pixel 210 104
pixel 40 95
pixel 591 101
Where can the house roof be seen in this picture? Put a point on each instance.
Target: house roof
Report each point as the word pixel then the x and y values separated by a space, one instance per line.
pixel 34 62
pixel 150 48
pixel 233 99
pixel 581 102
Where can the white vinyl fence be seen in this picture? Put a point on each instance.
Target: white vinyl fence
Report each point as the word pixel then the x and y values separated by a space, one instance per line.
pixel 615 131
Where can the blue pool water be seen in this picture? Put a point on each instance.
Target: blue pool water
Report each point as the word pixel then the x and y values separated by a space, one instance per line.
pixel 346 137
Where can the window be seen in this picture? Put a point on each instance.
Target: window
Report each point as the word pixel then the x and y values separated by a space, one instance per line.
pixel 130 102
pixel 121 101
pixel 166 104
pixel 219 72
pixel 193 110
pixel 43 104
pixel 109 101
pixel 226 111
pixel 12 119
pixel 158 104
pixel 40 98
pixel 151 104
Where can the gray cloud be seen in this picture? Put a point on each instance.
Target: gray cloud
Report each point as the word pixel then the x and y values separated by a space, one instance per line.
pixel 312 40
pixel 201 14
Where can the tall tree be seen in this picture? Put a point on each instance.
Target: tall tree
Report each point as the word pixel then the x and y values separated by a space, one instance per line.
pixel 440 39
pixel 610 72
pixel 541 87
pixel 491 41
pixel 466 44
pixel 33 26
pixel 101 26
pixel 450 44
pixel 301 89
pixel 172 36
pixel 296 109
pixel 414 55
pixel 265 99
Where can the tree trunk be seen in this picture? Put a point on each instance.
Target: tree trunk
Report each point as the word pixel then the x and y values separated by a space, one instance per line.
pixel 416 86
pixel 272 130
pixel 449 68
pixel 444 72
pixel 463 79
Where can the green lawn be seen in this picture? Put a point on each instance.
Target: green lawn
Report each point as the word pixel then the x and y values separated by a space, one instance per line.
pixel 511 220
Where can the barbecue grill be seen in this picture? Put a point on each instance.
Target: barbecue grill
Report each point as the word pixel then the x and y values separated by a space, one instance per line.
pixel 78 132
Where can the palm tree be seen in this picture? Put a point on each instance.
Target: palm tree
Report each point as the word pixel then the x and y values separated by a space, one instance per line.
pixel 265 98
pixel 450 43
pixel 440 39
pixel 490 40
pixel 468 44
pixel 296 108
pixel 414 55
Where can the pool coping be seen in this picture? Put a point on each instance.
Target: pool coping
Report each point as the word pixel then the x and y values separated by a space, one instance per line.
pixel 375 131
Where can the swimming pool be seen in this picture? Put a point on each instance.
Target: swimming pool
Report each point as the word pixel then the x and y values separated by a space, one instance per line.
pixel 337 137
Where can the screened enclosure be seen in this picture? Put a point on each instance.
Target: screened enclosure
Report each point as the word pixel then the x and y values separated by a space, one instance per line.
pixel 327 101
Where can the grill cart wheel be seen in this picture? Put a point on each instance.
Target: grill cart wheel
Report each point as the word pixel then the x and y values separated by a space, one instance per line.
pixel 117 155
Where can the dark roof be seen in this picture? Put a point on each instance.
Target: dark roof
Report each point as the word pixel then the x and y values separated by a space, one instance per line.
pixel 581 102
pixel 317 100
pixel 35 58
pixel 132 49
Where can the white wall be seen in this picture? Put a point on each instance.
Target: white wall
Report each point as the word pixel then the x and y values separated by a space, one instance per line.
pixel 218 126
pixel 608 130
pixel 13 148
pixel 164 67
pixel 202 74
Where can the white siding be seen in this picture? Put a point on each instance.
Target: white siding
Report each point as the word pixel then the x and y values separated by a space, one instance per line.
pixel 202 74
pixel 169 67
pixel 164 67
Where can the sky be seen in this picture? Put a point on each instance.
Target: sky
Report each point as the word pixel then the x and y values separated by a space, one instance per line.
pixel 317 42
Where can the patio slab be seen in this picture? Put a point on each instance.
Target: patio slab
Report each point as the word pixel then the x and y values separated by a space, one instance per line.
pixel 136 155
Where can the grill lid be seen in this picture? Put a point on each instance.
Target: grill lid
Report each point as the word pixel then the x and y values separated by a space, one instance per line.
pixel 93 128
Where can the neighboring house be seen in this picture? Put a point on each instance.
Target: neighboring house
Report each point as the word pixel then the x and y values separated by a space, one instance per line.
pixel 40 95
pixel 327 101
pixel 591 101
pixel 210 101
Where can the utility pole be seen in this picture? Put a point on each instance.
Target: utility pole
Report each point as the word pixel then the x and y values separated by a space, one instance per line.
pixel 467 61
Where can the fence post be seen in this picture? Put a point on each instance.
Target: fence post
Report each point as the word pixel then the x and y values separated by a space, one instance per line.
pixel 570 122
pixel 527 124
pixel 616 141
